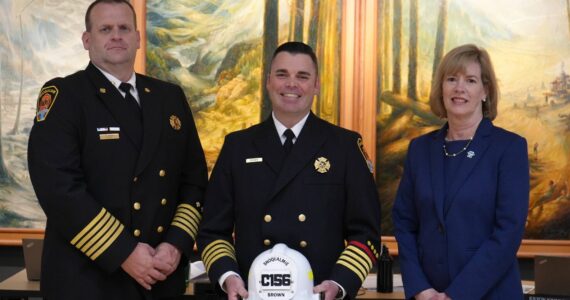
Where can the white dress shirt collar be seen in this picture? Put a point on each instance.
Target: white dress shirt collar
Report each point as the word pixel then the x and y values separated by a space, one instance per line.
pixel 116 82
pixel 296 128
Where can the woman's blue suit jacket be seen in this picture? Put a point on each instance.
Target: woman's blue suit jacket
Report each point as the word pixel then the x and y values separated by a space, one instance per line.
pixel 465 246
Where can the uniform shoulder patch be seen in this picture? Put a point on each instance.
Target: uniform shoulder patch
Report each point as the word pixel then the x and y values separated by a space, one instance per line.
pixel 47 97
pixel 365 155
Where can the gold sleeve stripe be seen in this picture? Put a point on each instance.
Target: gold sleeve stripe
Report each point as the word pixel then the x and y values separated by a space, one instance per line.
pixel 107 222
pixel 191 232
pixel 355 264
pixel 215 245
pixel 357 259
pixel 190 209
pixel 214 259
pixel 109 242
pixel 181 226
pixel 350 257
pixel 89 236
pixel 98 235
pixel 187 219
pixel 360 255
pixel 105 234
pixel 188 230
pixel 89 226
pixel 216 252
pixel 352 268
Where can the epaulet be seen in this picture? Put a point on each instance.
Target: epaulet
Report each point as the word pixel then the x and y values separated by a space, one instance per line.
pixel 365 155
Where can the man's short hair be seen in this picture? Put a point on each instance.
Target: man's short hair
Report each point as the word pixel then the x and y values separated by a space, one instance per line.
pixel 295 48
pixel 90 8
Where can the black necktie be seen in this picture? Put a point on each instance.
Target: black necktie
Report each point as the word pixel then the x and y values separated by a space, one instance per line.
pixel 288 141
pixel 131 101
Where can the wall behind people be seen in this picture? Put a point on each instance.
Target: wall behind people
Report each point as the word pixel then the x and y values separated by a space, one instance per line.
pixel 394 46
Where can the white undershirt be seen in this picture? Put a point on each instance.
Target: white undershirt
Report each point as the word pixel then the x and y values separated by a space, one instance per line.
pixel 296 128
pixel 116 82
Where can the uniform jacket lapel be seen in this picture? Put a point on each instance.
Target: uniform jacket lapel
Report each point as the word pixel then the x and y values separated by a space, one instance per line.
pixel 269 145
pixel 152 121
pixel 437 169
pixel 115 103
pixel 478 146
pixel 310 140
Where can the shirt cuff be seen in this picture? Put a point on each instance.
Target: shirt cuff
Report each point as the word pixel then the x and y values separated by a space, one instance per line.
pixel 341 289
pixel 226 275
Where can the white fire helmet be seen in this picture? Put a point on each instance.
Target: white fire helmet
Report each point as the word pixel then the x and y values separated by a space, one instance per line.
pixel 281 273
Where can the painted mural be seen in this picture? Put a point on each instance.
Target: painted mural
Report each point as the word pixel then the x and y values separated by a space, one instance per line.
pixel 529 42
pixel 39 40
pixel 218 51
pixel 213 48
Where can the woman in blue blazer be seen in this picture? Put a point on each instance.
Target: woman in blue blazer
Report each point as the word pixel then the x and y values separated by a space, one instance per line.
pixel 461 207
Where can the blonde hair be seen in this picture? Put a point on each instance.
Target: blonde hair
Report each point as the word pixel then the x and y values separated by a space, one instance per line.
pixel 455 61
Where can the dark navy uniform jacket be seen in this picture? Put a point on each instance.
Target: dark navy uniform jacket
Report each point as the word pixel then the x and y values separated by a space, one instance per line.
pixel 462 239
pixel 320 200
pixel 107 181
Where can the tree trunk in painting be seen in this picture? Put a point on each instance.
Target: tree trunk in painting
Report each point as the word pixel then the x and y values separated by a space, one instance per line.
pixel 314 24
pixel 5 177
pixel 413 52
pixel 15 129
pixel 380 43
pixel 296 21
pixel 270 35
pixel 328 52
pixel 387 52
pixel 568 13
pixel 396 48
pixel 440 36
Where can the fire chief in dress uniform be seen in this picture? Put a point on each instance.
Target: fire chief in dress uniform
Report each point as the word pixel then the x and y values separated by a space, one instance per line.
pixel 318 198
pixel 120 174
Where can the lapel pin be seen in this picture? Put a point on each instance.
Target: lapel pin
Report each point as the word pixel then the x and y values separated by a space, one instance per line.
pixel 147 90
pixel 175 122
pixel 103 90
pixel 322 165
pixel 470 154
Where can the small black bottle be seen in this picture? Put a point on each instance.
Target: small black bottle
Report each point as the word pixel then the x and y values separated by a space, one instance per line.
pixel 384 282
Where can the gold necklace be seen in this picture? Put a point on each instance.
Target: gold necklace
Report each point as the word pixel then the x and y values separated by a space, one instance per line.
pixel 456 153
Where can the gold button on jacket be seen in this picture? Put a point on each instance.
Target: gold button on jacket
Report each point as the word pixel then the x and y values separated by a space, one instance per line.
pixel 120 203
pixel 329 216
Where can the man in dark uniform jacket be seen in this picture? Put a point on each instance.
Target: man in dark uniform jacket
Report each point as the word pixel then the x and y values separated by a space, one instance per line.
pixel 312 191
pixel 118 170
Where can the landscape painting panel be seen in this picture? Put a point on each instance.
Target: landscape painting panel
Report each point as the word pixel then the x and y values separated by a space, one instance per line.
pixel 529 43
pixel 39 40
pixel 218 51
